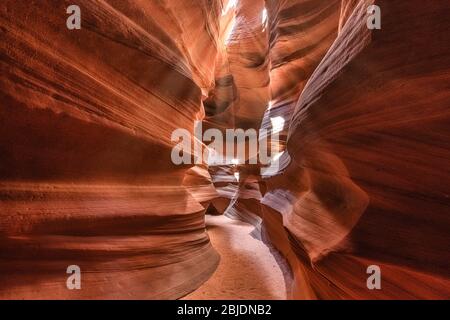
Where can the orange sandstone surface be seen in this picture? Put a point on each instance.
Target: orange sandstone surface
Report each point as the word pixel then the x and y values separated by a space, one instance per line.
pixel 87 179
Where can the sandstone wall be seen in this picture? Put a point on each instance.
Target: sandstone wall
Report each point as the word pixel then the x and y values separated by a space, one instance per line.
pixel 85 142
pixel 368 140
pixel 85 137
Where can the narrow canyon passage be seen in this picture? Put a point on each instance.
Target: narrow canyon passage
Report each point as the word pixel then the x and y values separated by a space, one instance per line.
pixel 248 269
pixel 118 137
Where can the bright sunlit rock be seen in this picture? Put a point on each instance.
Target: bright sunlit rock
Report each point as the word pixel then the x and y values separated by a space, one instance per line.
pixel 231 4
pixel 277 124
pixel 264 17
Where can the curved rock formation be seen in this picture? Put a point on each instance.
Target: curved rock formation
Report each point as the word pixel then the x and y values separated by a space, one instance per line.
pixel 368 141
pixel 87 179
pixel 86 123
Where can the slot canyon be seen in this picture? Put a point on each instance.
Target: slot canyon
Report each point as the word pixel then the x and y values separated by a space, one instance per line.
pixel 362 118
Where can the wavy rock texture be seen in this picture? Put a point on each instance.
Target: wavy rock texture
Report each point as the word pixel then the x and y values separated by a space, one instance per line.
pixel 369 141
pixel 243 72
pixel 86 175
pixel 85 141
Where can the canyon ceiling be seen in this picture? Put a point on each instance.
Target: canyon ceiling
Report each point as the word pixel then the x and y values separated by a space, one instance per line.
pixel 86 118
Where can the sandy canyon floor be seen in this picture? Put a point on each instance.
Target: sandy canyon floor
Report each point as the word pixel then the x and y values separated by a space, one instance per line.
pixel 248 268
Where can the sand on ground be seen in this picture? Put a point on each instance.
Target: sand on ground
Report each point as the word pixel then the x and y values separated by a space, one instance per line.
pixel 247 268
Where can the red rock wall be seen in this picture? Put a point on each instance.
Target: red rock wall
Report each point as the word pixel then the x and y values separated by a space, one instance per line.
pixel 368 140
pixel 85 127
pixel 85 171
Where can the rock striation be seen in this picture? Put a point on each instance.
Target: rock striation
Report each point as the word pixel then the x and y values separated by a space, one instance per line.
pixel 86 176
pixel 368 142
